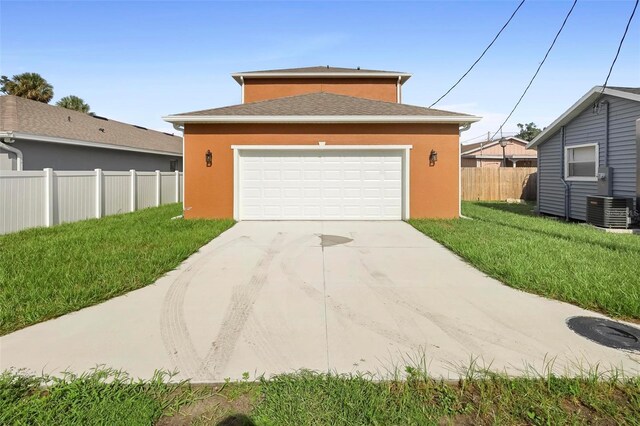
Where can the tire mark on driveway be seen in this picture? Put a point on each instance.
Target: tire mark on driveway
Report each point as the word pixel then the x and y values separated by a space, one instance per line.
pixel 470 339
pixel 173 328
pixel 238 312
pixel 271 344
pixel 342 311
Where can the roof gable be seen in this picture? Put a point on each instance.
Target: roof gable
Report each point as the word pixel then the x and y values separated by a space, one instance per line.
pixel 589 98
pixel 318 107
pixel 472 147
pixel 27 117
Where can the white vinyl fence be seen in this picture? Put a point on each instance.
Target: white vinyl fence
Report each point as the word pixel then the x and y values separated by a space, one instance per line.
pixel 48 197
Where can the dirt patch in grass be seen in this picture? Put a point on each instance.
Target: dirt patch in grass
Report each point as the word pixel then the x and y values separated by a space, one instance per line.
pixel 308 398
pixel 225 405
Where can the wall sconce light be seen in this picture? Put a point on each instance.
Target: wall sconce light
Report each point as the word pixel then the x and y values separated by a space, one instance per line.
pixel 208 158
pixel 433 158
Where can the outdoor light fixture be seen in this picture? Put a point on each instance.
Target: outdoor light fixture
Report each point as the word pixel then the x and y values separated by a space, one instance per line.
pixel 208 158
pixel 433 157
pixel 503 144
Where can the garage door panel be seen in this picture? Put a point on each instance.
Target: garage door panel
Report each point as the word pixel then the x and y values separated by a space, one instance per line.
pixel 339 185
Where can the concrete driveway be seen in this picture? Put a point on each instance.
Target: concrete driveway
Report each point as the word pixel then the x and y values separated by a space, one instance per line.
pixel 272 297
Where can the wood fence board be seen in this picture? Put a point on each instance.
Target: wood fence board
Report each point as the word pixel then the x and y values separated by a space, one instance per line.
pixel 499 183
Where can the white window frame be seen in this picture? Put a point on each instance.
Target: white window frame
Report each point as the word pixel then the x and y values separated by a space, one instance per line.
pixel 566 163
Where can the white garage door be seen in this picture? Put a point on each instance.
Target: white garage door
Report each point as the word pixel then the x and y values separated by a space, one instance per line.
pixel 320 185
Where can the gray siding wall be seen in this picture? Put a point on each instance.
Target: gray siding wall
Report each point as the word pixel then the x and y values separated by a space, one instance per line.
pixel 40 155
pixel 589 127
pixel 551 188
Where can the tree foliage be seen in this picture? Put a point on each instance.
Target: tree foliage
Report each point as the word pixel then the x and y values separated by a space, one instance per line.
pixel 75 103
pixel 28 85
pixel 528 131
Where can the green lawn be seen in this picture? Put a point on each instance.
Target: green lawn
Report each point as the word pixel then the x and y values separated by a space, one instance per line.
pixel 48 272
pixel 307 398
pixel 566 261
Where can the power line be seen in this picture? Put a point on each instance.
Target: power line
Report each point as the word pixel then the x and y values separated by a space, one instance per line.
pixel 539 67
pixel 480 57
pixel 633 12
pixel 472 139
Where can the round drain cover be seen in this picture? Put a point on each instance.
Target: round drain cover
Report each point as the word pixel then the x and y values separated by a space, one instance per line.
pixel 606 332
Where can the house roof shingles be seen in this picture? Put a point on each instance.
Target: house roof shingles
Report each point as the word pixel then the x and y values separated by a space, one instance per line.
pixel 36 118
pixel 322 104
pixel 321 69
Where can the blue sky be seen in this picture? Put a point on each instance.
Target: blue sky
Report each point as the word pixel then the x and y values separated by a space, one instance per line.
pixel 139 60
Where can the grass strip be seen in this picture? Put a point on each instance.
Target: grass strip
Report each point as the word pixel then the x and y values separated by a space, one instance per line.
pixel 571 262
pixel 48 272
pixel 99 397
pixel 311 398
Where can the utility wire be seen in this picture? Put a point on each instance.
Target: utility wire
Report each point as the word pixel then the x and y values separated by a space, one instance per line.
pixel 472 139
pixel 539 67
pixel 480 57
pixel 604 86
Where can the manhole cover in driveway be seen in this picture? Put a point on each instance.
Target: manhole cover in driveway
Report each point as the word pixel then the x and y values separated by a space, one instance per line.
pixel 606 332
pixel 333 240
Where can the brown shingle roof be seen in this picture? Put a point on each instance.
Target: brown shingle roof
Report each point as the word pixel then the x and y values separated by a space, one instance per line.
pixel 322 104
pixel 322 72
pixel 320 69
pixel 26 116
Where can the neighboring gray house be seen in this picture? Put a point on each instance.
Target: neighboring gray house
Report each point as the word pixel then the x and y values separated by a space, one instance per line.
pixel 50 136
pixel 591 149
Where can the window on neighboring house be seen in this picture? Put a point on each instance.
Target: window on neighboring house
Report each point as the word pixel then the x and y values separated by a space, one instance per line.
pixel 581 162
pixel 173 165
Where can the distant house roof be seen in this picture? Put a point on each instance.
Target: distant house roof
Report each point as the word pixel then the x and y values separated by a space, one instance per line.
pixel 632 93
pixel 321 107
pixel 472 147
pixel 321 71
pixel 29 119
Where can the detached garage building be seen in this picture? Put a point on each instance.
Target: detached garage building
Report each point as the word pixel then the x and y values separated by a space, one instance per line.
pixel 322 143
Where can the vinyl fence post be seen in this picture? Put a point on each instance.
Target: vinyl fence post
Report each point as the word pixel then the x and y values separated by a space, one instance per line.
pixel 48 197
pixel 177 186
pixel 133 190
pixel 158 189
pixel 99 194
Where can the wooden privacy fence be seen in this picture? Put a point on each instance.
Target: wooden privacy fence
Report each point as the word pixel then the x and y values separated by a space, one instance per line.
pixel 48 197
pixel 499 183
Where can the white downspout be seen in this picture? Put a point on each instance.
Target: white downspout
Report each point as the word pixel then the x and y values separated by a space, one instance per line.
pixel 16 151
pixel 462 128
pixel 180 128
pixel 399 90
pixel 242 89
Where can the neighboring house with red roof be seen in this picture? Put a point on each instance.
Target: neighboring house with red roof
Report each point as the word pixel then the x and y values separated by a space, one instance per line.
pixel 322 143
pixel 42 136
pixel 490 154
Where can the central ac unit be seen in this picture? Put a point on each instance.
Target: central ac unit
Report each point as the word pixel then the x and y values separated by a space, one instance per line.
pixel 609 212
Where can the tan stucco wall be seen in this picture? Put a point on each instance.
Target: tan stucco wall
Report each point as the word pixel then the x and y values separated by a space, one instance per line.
pixel 260 89
pixel 209 190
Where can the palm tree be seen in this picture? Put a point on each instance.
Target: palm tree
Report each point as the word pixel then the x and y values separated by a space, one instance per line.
pixel 28 85
pixel 75 103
